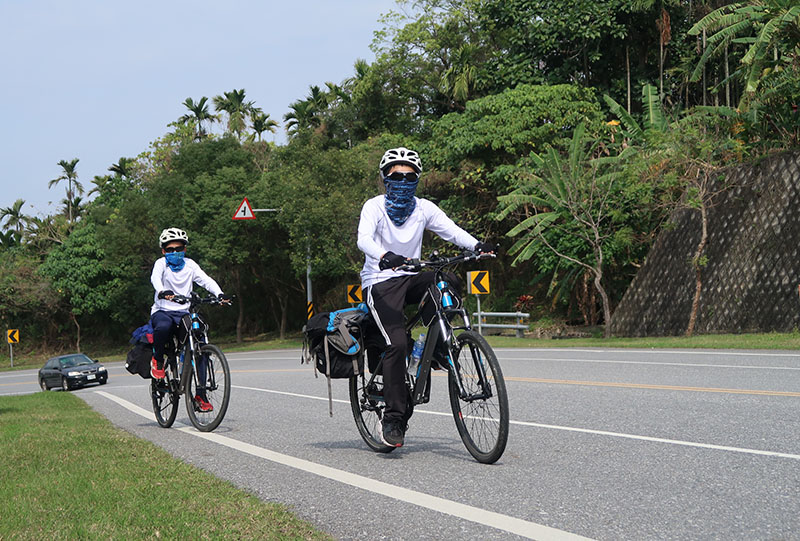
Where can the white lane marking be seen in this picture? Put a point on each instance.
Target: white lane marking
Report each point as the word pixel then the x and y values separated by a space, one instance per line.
pixel 21 375
pixel 505 523
pixel 575 429
pixel 614 361
pixel 656 351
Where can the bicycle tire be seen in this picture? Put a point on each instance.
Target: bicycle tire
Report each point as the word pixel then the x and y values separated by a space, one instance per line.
pixel 165 398
pixel 482 423
pixel 218 394
pixel 368 412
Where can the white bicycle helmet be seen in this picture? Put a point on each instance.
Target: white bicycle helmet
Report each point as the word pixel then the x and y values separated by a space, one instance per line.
pixel 400 155
pixel 172 234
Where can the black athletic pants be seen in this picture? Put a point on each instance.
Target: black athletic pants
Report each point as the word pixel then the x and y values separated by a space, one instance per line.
pixel 386 301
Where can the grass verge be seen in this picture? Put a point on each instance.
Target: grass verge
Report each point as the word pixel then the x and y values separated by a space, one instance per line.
pixel 70 474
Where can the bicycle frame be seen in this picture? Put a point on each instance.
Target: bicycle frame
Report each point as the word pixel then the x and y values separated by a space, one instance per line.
pixel 441 332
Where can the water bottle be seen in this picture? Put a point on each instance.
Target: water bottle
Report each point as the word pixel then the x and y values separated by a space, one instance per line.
pixel 447 298
pixel 416 354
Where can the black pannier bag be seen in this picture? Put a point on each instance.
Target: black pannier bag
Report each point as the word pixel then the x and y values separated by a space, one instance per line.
pixel 332 342
pixel 138 359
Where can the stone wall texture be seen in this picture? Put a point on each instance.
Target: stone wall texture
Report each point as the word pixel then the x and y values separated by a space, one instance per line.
pixel 753 271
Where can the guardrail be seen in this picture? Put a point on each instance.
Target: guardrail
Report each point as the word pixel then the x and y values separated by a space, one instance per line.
pixel 520 326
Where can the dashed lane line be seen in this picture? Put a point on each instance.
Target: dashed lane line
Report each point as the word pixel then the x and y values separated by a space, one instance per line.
pixel 571 429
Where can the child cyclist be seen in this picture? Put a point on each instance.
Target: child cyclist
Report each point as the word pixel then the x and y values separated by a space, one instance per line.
pixel 173 275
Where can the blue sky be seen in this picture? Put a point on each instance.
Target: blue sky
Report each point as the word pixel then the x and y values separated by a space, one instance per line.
pixel 97 80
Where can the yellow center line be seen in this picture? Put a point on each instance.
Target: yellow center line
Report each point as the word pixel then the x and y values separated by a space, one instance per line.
pixel 649 386
pixel 19 383
pixel 273 370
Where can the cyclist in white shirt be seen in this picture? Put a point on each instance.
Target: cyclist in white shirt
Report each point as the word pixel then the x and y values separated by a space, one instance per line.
pixel 175 274
pixel 389 233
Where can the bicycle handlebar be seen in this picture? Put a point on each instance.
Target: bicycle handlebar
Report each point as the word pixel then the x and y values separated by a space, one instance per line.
pixel 194 298
pixel 417 265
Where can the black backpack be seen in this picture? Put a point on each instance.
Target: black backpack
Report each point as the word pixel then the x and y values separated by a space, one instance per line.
pixel 332 341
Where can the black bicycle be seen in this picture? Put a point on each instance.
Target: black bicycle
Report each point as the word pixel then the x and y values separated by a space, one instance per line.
pixel 194 368
pixel 478 395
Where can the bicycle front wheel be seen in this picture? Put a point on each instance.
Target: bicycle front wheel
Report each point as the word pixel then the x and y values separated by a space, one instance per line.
pixel 481 413
pixel 165 397
pixel 366 401
pixel 215 390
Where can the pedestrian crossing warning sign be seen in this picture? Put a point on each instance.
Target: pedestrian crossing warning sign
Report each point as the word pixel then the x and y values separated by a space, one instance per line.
pixel 245 211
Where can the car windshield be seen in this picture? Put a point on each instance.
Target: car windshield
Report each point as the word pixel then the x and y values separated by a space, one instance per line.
pixel 75 360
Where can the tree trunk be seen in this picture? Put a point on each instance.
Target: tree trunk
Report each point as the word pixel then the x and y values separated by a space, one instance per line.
pixel 78 327
pixel 283 301
pixel 704 69
pixel 727 80
pixel 628 72
pixel 698 267
pixel 598 276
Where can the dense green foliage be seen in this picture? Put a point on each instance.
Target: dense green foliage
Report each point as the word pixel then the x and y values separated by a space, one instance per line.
pixel 490 92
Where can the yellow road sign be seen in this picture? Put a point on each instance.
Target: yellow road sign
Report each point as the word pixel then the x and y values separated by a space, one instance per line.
pixel 13 336
pixel 310 310
pixel 478 282
pixel 354 293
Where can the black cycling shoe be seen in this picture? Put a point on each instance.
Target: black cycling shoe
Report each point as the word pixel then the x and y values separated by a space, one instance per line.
pixel 393 433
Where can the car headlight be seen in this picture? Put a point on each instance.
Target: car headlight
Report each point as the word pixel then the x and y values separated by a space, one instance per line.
pixel 73 374
pixel 101 369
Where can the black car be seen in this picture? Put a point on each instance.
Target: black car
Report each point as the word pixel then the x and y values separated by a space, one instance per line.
pixel 71 371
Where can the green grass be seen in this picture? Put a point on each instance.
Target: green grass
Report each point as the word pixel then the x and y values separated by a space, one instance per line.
pixel 69 474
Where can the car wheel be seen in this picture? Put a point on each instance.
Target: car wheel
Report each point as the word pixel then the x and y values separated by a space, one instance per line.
pixel 103 381
pixel 43 385
pixel 64 384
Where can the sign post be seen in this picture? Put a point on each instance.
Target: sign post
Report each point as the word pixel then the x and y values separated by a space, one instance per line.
pixel 478 285
pixel 13 338
pixel 246 212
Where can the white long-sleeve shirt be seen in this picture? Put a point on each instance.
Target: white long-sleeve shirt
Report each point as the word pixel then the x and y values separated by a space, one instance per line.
pixel 179 283
pixel 377 235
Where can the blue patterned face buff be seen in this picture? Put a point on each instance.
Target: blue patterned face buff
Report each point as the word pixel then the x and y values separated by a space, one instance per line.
pixel 175 261
pixel 399 200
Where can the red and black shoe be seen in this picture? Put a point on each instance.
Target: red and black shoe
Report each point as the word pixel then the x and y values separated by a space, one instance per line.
pixel 155 372
pixel 202 405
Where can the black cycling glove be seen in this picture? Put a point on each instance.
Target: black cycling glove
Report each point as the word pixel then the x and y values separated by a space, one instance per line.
pixel 391 260
pixel 223 297
pixel 163 294
pixel 485 247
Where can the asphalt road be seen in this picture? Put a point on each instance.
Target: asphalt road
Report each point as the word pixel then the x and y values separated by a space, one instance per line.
pixel 606 444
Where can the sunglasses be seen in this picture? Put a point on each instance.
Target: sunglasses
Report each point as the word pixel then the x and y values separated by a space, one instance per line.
pixel 171 249
pixel 405 177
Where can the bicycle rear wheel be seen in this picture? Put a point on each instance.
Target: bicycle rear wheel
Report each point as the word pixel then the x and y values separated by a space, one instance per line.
pixel 217 389
pixel 366 401
pixel 165 397
pixel 482 414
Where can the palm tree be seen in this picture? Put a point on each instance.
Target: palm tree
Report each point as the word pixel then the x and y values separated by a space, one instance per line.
pixel 74 205
pixel 198 113
pixel 772 30
pixel 262 122
pixel 237 108
pixel 123 168
pixel 576 196
pixel 301 117
pixel 71 176
pixel 460 79
pixel 14 217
